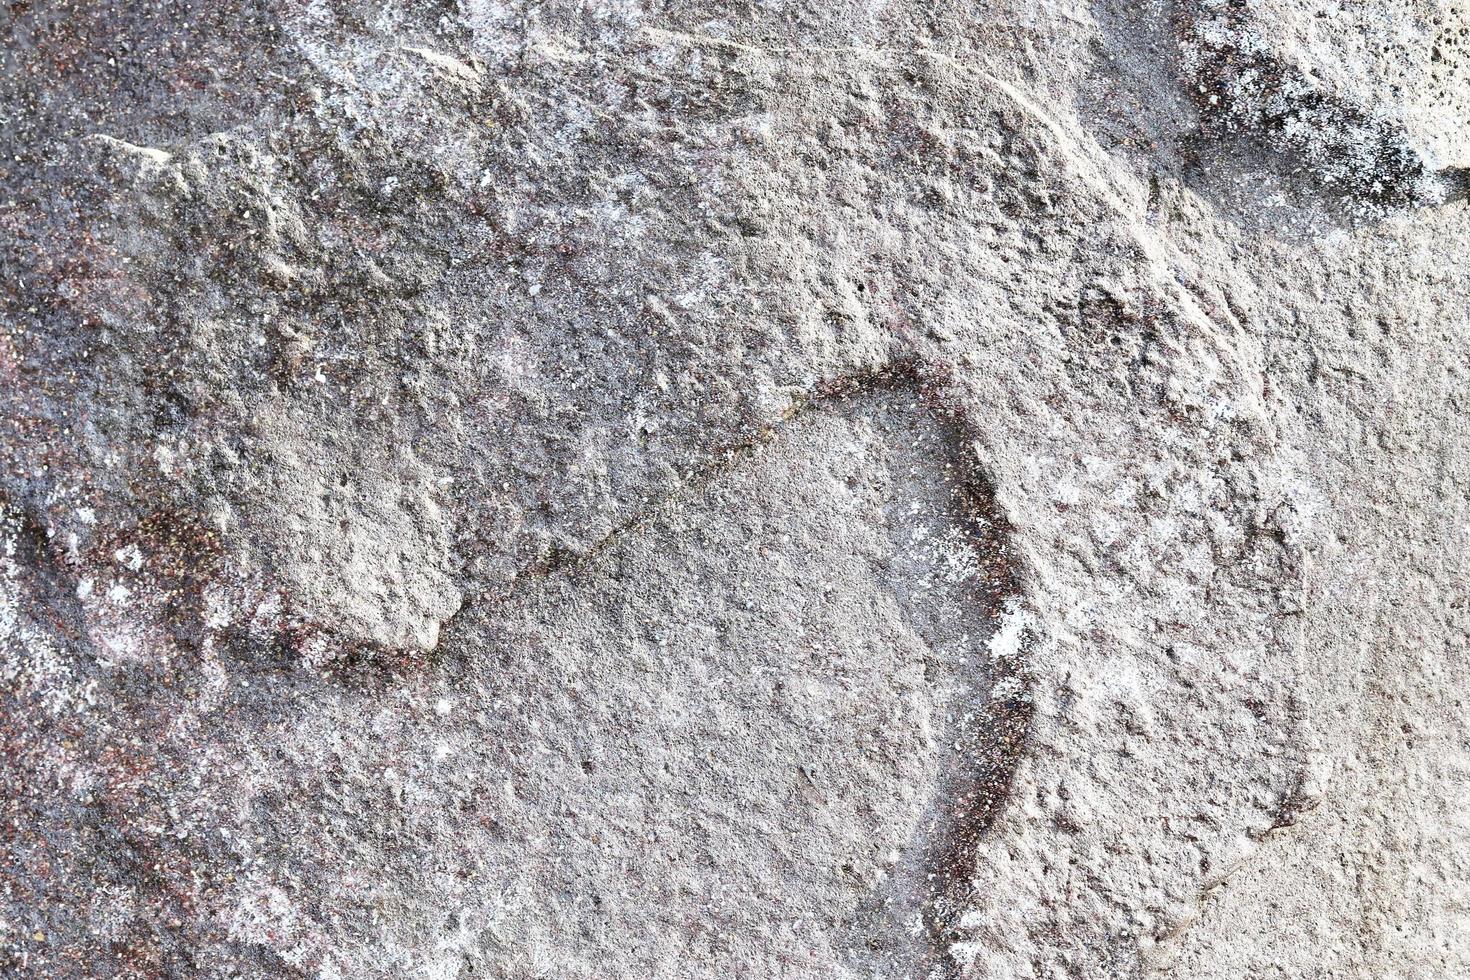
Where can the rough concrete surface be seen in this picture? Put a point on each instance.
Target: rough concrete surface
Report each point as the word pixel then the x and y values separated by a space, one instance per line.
pixel 695 490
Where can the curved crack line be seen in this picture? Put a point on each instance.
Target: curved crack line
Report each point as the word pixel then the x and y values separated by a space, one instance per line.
pixel 984 740
pixel 558 560
pixel 900 372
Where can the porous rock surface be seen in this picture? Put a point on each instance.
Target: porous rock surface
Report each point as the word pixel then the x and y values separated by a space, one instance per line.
pixel 624 490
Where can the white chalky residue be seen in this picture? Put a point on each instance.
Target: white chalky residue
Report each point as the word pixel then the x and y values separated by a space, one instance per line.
pixel 1006 642
pixel 129 557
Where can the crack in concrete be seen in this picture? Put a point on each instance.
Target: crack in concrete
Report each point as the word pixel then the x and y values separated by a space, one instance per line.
pixel 724 459
pixel 984 741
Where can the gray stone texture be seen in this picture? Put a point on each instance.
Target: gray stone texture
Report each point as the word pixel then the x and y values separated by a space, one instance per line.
pixel 700 490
